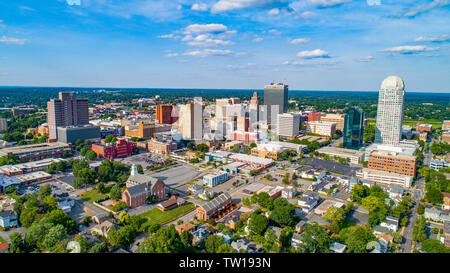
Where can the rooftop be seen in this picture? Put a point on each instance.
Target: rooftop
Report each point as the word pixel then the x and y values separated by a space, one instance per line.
pixel 32 148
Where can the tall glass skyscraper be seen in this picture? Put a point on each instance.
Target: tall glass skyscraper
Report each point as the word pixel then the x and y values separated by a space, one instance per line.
pixel 275 96
pixel 390 111
pixel 354 128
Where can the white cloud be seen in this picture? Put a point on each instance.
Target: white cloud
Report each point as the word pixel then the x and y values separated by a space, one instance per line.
pixel 205 28
pixel 366 59
pixel 74 2
pixel 373 2
pixel 204 40
pixel 10 40
pixel 257 40
pixel 307 15
pixel 327 3
pixel 427 7
pixel 208 52
pixel 299 41
pixel 166 36
pixel 409 49
pixel 316 53
pixel 438 38
pixel 172 55
pixel 200 7
pixel 228 5
pixel 274 11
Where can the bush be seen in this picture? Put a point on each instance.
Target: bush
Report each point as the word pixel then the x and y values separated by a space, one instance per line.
pixel 119 206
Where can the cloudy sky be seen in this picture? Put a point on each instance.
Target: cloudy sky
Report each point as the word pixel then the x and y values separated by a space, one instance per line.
pixel 308 44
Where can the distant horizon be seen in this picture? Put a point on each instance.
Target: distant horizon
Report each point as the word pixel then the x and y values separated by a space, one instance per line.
pixel 206 89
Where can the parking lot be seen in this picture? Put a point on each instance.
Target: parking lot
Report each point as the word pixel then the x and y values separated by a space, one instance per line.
pixel 331 166
pixel 177 176
pixel 144 159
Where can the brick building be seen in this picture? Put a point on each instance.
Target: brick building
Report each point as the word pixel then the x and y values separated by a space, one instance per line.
pixel 159 147
pixel 122 148
pixel 215 208
pixel 420 127
pixel 314 116
pixel 140 187
pixel 37 151
pixel 164 114
pixel 141 130
pixel 391 162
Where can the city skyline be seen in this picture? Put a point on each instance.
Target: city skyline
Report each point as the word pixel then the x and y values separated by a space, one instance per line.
pixel 225 44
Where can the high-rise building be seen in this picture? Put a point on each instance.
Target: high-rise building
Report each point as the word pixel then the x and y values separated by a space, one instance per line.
pixel 67 110
pixel 164 114
pixel 390 111
pixel 191 120
pixel 288 124
pixel 3 124
pixel 254 111
pixel 276 99
pixel 339 119
pixel 354 128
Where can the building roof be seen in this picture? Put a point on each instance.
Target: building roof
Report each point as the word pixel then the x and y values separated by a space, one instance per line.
pixel 338 247
pixel 7 213
pixel 141 179
pixel 393 82
pixel 216 202
pixel 253 159
pixel 32 148
pixel 4 246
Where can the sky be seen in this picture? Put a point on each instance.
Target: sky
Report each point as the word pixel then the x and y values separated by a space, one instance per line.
pixel 226 44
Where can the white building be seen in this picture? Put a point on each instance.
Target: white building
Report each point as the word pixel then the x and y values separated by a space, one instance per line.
pixel 385 177
pixel 191 120
pixel 322 128
pixel 288 124
pixel 355 156
pixel 390 111
pixel 3 124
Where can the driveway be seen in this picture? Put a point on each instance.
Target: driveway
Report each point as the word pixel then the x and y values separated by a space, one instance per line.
pixel 5 234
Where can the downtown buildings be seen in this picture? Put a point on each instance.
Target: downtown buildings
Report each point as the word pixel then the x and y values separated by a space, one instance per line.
pixel 354 128
pixel 276 100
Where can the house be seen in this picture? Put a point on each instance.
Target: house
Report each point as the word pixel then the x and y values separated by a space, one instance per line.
pixel 200 235
pixel 103 228
pixel 391 223
pixel 207 194
pixel 396 192
pixel 240 245
pixel 4 247
pixel 308 201
pixel 8 219
pixel 185 227
pixel 140 187
pixel 300 226
pixel 225 237
pixel 338 248
pixel 447 234
pixel 232 219
pixel 289 192
pixel 296 240
pixel 215 208
pixel 436 214
pixel 195 189
pixel 322 208
pixel 376 247
pixel 446 204
pixel 173 202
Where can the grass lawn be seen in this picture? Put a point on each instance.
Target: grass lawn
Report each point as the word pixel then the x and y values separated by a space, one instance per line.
pixel 155 216
pixel 412 122
pixel 94 195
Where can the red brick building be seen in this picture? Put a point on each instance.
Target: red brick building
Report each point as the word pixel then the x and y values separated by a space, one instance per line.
pixel 140 187
pixel 420 127
pixel 122 148
pixel 401 164
pixel 164 114
pixel 215 208
pixel 314 116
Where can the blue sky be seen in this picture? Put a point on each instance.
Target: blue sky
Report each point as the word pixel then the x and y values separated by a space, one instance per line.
pixel 308 44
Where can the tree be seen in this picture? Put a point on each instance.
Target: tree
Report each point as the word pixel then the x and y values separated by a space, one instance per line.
pixel 166 240
pixel 315 239
pixel 213 242
pixel 83 151
pixel 16 243
pixel 358 238
pixel 116 192
pixel 421 209
pixel 225 248
pixel 372 203
pixel 101 188
pixel 54 236
pixel 153 228
pixel 186 238
pixel 434 246
pixel 121 237
pixel 44 191
pixel 91 155
pixel 283 215
pixel 336 216
pixel 419 230
pixel 359 192
pixel 58 217
pixel 398 238
pixel 78 165
pixel 87 176
pixel 29 215
pixel 434 195
pixel 258 224
pixel 101 247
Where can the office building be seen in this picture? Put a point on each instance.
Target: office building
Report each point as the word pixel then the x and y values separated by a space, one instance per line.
pixel 322 128
pixel 164 114
pixel 214 179
pixel 355 156
pixel 71 134
pixel 67 110
pixel 288 124
pixel 141 130
pixel 354 129
pixel 276 100
pixel 384 177
pixel 160 147
pixel 38 151
pixel 390 111
pixel 121 148
pixel 339 119
pixel 314 116
pixel 3 124
pixel 421 127
pixel 391 161
pixel 191 120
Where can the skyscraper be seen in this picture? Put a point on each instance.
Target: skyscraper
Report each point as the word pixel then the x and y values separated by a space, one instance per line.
pixel 67 110
pixel 191 120
pixel 164 114
pixel 288 124
pixel 275 95
pixel 354 128
pixel 390 111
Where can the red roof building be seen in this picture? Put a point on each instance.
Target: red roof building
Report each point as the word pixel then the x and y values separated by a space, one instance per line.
pixel 122 148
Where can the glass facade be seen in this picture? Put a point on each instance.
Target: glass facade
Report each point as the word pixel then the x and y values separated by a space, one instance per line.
pixel 354 128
